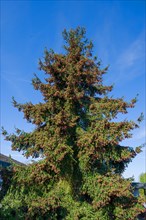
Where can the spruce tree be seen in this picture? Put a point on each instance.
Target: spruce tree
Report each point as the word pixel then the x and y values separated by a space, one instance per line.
pixel 76 137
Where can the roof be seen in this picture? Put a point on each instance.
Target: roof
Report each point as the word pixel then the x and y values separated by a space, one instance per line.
pixel 6 161
pixel 138 185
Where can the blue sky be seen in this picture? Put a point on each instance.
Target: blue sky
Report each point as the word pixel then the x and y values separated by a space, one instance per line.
pixel 117 29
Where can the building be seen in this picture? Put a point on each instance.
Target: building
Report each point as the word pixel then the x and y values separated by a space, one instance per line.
pixel 5 162
pixel 137 186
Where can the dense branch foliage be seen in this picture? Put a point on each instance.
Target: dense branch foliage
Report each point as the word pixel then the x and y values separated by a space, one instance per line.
pixel 78 139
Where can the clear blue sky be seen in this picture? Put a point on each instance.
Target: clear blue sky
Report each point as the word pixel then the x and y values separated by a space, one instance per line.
pixel 117 29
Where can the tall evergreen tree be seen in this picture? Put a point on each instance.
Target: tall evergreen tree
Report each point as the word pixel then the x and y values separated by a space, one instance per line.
pixel 78 139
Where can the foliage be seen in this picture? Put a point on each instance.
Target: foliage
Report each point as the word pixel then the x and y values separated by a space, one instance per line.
pixel 142 178
pixel 6 174
pixel 78 138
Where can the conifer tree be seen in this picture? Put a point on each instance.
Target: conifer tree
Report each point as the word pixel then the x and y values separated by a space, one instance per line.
pixel 79 175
